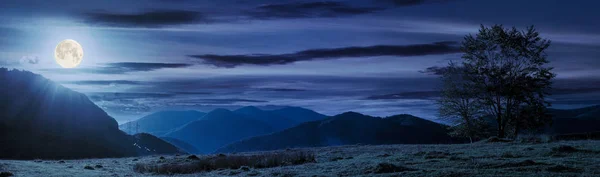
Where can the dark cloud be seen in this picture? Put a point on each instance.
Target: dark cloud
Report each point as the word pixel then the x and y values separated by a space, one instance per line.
pixel 230 61
pixel 119 96
pixel 435 70
pixel 412 2
pixel 269 11
pixel 146 19
pixel 122 68
pixel 133 66
pixel 282 89
pixel 307 10
pixel 407 95
pixel 565 91
pixel 220 101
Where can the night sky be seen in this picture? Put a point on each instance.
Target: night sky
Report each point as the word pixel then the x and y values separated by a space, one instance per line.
pixel 366 56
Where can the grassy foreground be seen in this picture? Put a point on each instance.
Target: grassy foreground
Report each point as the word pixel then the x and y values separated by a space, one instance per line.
pixel 566 158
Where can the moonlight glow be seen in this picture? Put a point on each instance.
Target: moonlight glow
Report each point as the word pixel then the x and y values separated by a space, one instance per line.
pixel 68 53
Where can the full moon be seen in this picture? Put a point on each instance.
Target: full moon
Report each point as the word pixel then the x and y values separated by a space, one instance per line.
pixel 68 53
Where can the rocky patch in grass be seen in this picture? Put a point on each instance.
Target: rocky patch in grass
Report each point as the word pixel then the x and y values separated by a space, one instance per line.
pixel 564 149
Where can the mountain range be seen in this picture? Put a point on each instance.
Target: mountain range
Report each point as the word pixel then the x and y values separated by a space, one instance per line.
pixel 42 119
pixel 579 120
pixel 347 129
pixel 160 123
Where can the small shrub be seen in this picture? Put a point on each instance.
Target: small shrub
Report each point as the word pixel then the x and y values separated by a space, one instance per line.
pixel 564 148
pixel 232 173
pixel 134 160
pixel 6 174
pixel 253 173
pixel 62 161
pixel 98 166
pixel 161 158
pixel 87 167
pixel 193 157
pixel 336 159
pixel 384 155
pixel 456 158
pixel 509 155
pixel 245 168
pixel 494 139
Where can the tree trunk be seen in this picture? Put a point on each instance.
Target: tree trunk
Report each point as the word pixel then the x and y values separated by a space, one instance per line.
pixel 517 128
pixel 500 127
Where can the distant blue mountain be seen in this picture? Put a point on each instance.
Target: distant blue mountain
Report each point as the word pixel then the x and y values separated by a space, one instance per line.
pixel 217 128
pixel 346 129
pixel 208 131
pixel 276 121
pixel 160 123
pixel 42 119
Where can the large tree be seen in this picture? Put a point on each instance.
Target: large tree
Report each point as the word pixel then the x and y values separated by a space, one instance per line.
pixel 508 75
pixel 458 104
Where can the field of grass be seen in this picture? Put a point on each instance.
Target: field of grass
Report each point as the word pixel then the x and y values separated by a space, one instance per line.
pixel 565 158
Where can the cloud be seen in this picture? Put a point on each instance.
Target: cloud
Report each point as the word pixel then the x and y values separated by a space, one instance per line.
pixel 156 18
pixel 122 68
pixel 307 10
pixel 103 82
pixel 231 61
pixel 249 11
pixel 133 66
pixel 30 59
pixel 407 95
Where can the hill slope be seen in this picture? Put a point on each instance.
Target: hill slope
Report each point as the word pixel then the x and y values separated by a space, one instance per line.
pixel 181 145
pixel 345 129
pixel 160 123
pixel 42 119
